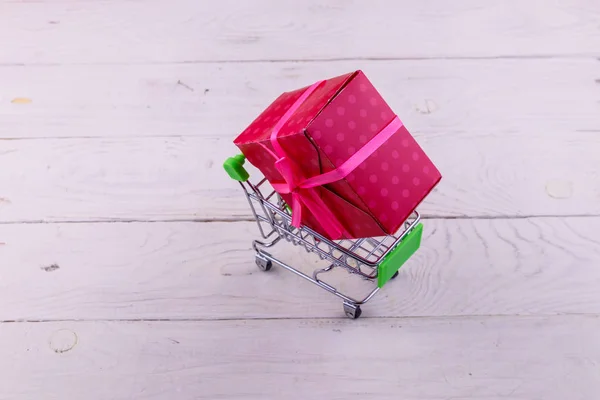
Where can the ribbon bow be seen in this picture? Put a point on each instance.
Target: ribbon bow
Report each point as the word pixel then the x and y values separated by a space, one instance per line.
pixel 301 188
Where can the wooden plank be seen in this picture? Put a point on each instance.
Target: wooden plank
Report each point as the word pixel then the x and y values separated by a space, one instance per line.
pixel 178 178
pixel 432 97
pixel 116 31
pixel 207 271
pixel 492 132
pixel 549 358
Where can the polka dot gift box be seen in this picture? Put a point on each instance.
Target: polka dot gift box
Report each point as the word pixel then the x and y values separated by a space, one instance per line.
pixel 340 158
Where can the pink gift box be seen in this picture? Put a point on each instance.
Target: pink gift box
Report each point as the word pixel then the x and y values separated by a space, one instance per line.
pixel 323 133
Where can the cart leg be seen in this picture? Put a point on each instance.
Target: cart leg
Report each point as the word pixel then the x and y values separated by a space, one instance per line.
pixel 262 262
pixel 352 311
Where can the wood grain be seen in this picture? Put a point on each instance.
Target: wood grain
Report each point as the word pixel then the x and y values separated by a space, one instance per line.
pixel 533 98
pixel 116 115
pixel 68 32
pixel 207 271
pixel 176 178
pixel 467 358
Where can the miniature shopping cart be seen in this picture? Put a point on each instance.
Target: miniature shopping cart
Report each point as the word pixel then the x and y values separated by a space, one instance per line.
pixel 376 260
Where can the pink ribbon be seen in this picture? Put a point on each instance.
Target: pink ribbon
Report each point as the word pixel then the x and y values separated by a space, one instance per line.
pixel 301 188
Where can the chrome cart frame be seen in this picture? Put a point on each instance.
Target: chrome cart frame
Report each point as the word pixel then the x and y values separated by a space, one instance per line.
pixel 372 259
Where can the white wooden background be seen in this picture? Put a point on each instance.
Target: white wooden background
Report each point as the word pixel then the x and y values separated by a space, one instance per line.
pixel 126 269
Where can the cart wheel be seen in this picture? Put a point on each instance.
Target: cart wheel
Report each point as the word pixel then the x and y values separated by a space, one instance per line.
pixel 395 275
pixel 263 263
pixel 352 310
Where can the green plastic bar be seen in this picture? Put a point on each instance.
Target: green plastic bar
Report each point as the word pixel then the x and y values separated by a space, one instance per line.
pixel 234 166
pixel 397 257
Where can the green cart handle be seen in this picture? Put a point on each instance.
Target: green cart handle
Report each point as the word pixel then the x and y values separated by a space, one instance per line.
pixel 234 166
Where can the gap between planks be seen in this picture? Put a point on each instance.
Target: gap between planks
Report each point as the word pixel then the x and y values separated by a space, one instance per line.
pixel 313 60
pixel 220 220
pixel 313 318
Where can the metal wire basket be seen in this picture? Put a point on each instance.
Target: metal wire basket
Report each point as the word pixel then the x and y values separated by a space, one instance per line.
pixel 372 259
